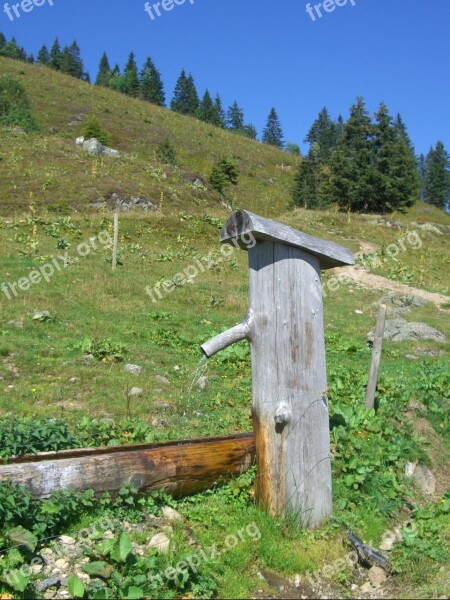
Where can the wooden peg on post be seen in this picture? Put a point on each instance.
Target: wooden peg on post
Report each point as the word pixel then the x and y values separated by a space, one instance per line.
pixel 284 325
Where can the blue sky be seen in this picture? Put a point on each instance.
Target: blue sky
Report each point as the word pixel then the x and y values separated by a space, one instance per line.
pixel 265 53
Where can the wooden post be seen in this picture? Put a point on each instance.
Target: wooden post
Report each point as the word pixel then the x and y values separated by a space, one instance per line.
pixel 116 241
pixel 284 325
pixel 376 357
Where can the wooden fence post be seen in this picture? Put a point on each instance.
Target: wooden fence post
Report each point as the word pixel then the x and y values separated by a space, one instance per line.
pixel 376 357
pixel 115 241
pixel 284 325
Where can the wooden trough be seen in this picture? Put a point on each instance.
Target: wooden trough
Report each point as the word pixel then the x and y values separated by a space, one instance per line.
pixel 180 468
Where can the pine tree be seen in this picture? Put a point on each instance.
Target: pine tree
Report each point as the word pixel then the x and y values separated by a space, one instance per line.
pixel 325 133
pixel 206 111
pixel 248 131
pixel 152 88
pixel 194 101
pixel 396 180
pixel 235 117
pixel 56 56
pixel 12 50
pixel 292 148
pixel 115 81
pixel 185 98
pixel 272 133
pixel 130 78
pixel 71 62
pixel 311 188
pixel 43 56
pixel 352 162
pixel 437 177
pixel 219 112
pixel 2 41
pixel 104 71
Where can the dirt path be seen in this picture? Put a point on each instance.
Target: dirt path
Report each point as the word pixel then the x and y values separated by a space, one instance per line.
pixel 376 282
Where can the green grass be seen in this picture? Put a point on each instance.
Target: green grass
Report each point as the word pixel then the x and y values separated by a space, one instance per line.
pixel 44 373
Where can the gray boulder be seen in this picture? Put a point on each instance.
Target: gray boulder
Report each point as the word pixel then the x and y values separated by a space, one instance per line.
pixel 94 148
pixel 399 330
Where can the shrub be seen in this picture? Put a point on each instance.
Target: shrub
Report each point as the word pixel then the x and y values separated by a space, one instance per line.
pixel 93 129
pixel 14 105
pixel 166 153
pixel 223 174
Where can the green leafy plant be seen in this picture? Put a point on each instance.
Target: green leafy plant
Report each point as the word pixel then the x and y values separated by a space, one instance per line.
pixel 166 153
pixel 93 129
pixel 14 105
pixel 224 173
pixel 104 350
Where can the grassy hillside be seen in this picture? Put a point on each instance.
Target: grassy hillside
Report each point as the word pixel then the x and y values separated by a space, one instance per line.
pixel 58 172
pixel 64 342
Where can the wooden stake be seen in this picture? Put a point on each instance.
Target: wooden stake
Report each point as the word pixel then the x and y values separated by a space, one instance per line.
pixel 376 357
pixel 116 241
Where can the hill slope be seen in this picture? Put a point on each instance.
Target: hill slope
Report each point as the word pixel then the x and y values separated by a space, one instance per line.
pixel 56 171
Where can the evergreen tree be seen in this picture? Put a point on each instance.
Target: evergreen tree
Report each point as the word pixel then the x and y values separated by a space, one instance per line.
pixel 130 78
pixel 12 50
pixel 219 112
pixel 152 88
pixel 396 180
pixel 2 41
pixel 292 148
pixel 311 189
pixel 43 56
pixel 56 56
pixel 248 131
pixel 352 162
pixel 71 62
pixel 185 98
pixel 235 117
pixel 437 177
pixel 206 111
pixel 115 81
pixel 272 133
pixel 325 133
pixel 104 71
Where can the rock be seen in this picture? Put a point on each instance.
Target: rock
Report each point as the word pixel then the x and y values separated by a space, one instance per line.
pixel 66 539
pixel 399 330
pixel 62 564
pixel 425 480
pixel 410 467
pixel 115 201
pixel 171 514
pixel 297 580
pixel 133 369
pixel 366 588
pixel 36 569
pixel 389 539
pixel 110 152
pixel 202 382
pixel 73 380
pixel 79 141
pixel 161 542
pixel 93 147
pixel 88 357
pixel 16 324
pixel 162 379
pixel 135 392
pixel 50 582
pixel 377 576
pixel 400 304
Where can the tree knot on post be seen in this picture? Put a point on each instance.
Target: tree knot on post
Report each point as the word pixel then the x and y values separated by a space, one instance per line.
pixel 282 417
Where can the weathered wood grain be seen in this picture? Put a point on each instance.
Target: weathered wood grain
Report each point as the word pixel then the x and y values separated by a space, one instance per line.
pixel 376 357
pixel 181 468
pixel 242 224
pixel 290 409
